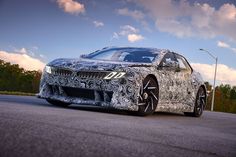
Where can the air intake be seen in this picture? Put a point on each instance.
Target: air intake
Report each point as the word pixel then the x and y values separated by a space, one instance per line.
pixel 62 72
pixel 92 74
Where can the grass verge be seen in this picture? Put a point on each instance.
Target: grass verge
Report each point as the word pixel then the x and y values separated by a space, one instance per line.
pixel 16 93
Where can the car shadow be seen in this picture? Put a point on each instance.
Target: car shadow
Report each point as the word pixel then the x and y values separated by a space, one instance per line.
pixel 167 114
pixel 118 112
pixel 100 109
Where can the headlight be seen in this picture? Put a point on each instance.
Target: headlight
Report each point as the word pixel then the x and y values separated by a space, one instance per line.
pixel 48 69
pixel 115 75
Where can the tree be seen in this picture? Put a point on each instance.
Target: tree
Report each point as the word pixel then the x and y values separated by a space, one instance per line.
pixel 14 78
pixel 225 98
pixel 233 93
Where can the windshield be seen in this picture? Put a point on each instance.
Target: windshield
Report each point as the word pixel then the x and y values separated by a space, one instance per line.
pixel 125 55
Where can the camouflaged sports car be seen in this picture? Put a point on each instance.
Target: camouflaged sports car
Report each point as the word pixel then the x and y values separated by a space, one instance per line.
pixel 144 80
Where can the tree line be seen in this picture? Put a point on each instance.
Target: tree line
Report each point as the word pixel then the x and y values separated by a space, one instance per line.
pixel 16 79
pixel 225 98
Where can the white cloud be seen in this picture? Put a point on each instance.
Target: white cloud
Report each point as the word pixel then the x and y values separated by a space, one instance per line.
pixel 222 44
pixel 22 50
pixel 41 55
pixel 115 35
pixel 98 23
pixel 183 19
pixel 138 15
pixel 28 51
pixel 225 74
pixel 135 14
pixel 130 32
pixel 71 6
pixel 24 60
pixel 135 37
pixel 225 45
pixel 127 29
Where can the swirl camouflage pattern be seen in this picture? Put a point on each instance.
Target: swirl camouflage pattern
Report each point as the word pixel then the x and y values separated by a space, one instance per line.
pixel 144 80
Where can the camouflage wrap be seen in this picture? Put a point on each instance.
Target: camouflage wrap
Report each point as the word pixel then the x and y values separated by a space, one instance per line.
pixel 175 95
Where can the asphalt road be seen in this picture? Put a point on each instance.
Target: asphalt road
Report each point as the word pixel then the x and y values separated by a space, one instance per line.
pixel 31 127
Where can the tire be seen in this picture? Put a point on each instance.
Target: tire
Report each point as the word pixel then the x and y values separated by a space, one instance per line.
pixel 200 103
pixel 57 103
pixel 148 97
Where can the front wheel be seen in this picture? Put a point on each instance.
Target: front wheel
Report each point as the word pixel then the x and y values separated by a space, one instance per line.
pixel 148 97
pixel 57 103
pixel 200 103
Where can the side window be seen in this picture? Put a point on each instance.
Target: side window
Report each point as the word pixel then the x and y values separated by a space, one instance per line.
pixel 183 65
pixel 169 60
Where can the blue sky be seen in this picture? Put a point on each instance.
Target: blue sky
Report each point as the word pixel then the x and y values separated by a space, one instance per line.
pixel 34 32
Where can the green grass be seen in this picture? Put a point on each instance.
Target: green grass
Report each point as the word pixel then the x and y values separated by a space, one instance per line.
pixel 16 93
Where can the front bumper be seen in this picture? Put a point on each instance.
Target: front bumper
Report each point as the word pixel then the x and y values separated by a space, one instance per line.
pixel 116 93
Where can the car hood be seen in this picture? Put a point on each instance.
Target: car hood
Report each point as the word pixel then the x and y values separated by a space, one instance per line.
pixel 87 64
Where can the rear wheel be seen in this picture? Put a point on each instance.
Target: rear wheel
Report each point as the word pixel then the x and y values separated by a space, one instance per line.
pixel 58 103
pixel 148 97
pixel 200 103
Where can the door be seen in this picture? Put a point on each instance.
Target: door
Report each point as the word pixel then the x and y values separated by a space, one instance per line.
pixel 184 79
pixel 168 81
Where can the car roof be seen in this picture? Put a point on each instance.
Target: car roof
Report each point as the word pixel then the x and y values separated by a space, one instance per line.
pixel 154 50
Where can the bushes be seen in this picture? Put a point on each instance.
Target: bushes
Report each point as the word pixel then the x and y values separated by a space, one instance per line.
pixel 14 78
pixel 225 98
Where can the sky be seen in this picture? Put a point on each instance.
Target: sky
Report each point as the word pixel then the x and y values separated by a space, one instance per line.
pixel 35 32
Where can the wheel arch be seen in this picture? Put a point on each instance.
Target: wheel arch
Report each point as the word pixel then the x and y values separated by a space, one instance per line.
pixel 145 108
pixel 204 87
pixel 205 90
pixel 154 77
